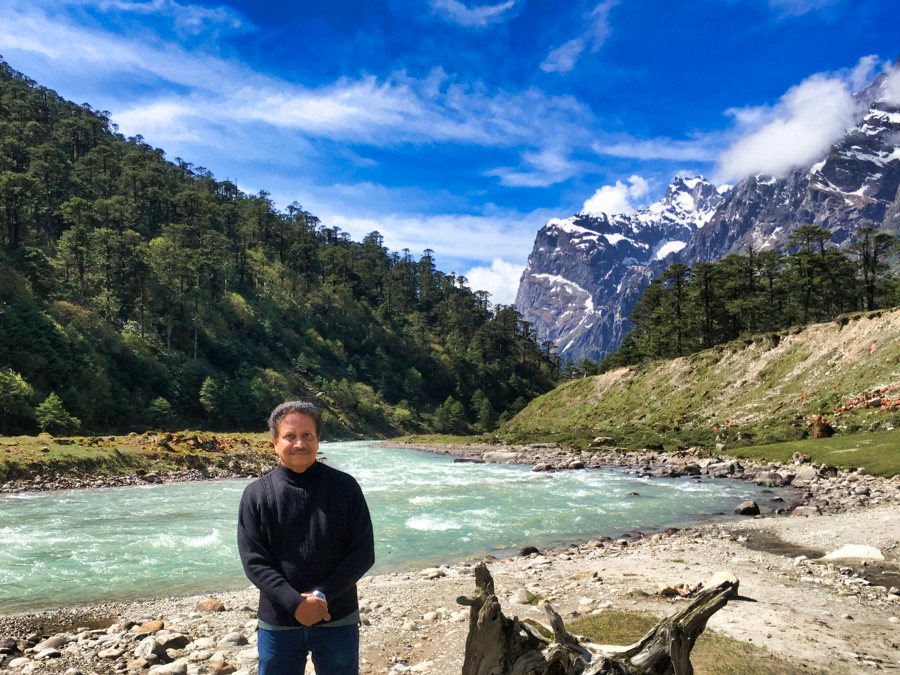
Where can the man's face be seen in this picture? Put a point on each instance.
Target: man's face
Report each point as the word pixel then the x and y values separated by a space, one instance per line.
pixel 296 443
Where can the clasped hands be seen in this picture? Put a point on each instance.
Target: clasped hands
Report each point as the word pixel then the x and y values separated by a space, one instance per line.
pixel 311 610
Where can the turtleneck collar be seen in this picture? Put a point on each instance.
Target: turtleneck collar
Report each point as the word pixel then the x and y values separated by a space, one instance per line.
pixel 299 479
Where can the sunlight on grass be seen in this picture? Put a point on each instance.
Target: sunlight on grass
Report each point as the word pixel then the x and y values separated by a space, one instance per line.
pixel 878 452
pixel 714 654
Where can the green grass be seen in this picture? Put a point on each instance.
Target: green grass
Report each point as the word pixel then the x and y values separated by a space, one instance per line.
pixel 878 452
pixel 714 653
pixel 749 392
pixel 27 456
pixel 445 439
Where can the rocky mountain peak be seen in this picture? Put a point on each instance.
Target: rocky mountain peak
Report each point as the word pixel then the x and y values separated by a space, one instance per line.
pixel 586 272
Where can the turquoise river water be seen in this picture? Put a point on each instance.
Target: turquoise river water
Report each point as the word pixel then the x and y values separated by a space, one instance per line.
pixel 89 546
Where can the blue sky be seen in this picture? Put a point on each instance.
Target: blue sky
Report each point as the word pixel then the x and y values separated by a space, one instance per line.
pixel 463 125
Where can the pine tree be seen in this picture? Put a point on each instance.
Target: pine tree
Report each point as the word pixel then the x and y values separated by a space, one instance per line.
pixel 52 417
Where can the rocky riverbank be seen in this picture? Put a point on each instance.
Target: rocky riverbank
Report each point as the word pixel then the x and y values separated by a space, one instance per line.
pixel 815 615
pixel 818 489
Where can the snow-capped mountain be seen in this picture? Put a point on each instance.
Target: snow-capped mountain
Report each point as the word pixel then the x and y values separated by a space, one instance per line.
pixel 586 273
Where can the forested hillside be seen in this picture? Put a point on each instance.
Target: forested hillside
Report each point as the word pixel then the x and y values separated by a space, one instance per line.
pixel 137 291
pixel 687 309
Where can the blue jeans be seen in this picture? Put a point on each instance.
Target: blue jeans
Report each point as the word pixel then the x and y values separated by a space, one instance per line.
pixel 334 650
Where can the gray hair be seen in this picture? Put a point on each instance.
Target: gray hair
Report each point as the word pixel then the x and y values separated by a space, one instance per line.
pixel 303 407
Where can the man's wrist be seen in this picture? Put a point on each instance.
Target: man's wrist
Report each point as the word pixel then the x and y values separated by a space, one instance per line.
pixel 320 595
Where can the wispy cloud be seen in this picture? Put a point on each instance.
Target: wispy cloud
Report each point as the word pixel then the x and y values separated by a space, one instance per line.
pixel 475 16
pixel 800 7
pixel 200 98
pixel 563 59
pixel 188 19
pixel 703 148
pixel 541 168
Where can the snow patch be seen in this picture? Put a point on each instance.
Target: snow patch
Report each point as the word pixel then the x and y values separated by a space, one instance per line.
pixel 668 247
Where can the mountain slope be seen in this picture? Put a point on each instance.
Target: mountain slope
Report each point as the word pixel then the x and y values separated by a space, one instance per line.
pixel 764 389
pixel 586 273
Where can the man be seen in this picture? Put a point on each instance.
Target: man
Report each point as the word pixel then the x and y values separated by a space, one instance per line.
pixel 305 537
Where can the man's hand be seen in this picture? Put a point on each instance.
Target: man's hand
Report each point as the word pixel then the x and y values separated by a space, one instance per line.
pixel 311 610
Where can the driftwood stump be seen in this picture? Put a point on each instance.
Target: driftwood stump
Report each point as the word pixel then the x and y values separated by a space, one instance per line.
pixel 498 645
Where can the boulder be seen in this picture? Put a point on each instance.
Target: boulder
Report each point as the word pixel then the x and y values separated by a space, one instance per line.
pixel 805 474
pixel 55 642
pixel 809 510
pixel 171 640
pixel 747 508
pixel 149 647
pixel 210 605
pixel 856 552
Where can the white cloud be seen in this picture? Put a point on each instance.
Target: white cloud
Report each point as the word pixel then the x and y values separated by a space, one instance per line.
pixel 797 131
pixel 455 236
pixel 703 149
pixel 188 19
pixel 541 169
pixel 480 15
pixel 863 72
pixel 501 280
pixel 562 59
pixel 800 7
pixel 892 86
pixel 161 120
pixel 618 198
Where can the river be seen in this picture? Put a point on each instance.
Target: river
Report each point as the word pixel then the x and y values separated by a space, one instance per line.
pixel 90 546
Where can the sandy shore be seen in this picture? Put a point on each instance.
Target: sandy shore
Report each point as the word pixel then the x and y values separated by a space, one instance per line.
pixel 837 617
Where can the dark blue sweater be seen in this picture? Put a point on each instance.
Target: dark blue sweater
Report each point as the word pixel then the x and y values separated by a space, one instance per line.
pixel 303 531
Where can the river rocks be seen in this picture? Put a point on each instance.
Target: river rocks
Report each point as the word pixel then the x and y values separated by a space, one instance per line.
pixel 171 640
pixel 234 639
pixel 8 645
pixel 149 647
pixel 149 627
pixel 55 642
pixel 179 667
pixel 500 457
pixel 748 508
pixel 210 605
pixel 48 653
